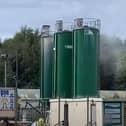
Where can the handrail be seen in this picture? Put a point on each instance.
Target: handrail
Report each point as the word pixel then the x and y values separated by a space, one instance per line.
pixel 32 107
pixel 61 123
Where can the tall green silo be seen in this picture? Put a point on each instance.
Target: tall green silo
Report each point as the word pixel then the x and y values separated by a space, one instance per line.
pixel 46 63
pixel 63 66
pixel 86 63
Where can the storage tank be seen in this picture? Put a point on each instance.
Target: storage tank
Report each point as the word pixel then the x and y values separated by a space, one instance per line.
pixel 63 66
pixel 86 63
pixel 46 63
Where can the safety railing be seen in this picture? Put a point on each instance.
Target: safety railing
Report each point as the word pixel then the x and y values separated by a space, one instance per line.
pixel 32 110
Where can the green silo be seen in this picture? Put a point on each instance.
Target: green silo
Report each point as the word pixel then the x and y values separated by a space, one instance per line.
pixel 46 63
pixel 63 66
pixel 86 63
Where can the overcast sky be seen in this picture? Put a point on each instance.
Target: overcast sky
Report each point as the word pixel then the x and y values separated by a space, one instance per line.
pixel 15 13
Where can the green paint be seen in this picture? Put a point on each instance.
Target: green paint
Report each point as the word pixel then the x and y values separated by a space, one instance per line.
pixel 63 73
pixel 86 51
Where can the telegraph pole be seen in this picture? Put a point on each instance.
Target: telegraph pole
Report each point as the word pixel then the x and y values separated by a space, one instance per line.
pixel 5 67
pixel 16 88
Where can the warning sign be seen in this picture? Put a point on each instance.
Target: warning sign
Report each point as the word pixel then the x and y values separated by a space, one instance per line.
pixel 7 102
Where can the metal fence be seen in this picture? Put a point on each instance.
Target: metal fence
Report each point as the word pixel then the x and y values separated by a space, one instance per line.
pixel 28 114
pixel 32 110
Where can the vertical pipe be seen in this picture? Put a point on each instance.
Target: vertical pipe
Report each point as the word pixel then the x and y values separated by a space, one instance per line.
pixel 66 120
pixel 42 65
pixel 59 111
pixel 74 67
pixel 44 33
pixel 98 64
pixel 87 111
pixel 54 69
pixel 91 114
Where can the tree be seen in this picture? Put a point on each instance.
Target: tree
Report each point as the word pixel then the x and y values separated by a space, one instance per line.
pixel 27 43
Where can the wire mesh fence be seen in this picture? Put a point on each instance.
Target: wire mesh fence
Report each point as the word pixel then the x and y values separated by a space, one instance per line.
pixel 32 110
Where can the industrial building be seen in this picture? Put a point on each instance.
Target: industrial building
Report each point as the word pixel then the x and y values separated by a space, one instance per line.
pixel 69 93
pixel 70 60
pixel 70 78
pixel 109 109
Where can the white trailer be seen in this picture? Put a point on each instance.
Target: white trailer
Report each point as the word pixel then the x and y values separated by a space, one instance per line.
pixel 81 112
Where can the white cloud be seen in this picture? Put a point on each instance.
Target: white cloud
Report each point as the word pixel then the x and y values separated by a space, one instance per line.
pixel 15 13
pixel 19 3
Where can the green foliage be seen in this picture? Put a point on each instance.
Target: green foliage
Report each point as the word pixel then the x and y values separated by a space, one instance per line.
pixel 27 44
